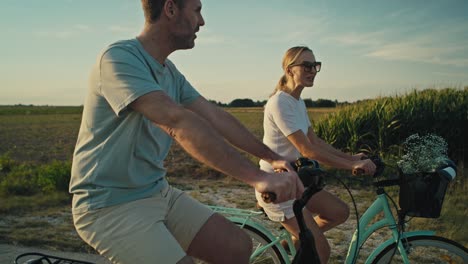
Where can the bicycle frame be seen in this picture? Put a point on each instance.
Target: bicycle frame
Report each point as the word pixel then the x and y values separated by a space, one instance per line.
pixel 365 230
pixel 244 217
pixel 366 225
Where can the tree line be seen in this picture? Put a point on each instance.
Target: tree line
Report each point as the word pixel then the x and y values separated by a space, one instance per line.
pixel 246 102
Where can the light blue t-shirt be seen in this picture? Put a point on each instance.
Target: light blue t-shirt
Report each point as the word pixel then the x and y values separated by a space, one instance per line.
pixel 119 154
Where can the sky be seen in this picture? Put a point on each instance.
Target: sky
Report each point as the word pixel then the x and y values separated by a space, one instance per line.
pixel 368 48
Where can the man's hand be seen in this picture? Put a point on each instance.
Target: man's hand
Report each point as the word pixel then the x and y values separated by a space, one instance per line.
pixel 285 185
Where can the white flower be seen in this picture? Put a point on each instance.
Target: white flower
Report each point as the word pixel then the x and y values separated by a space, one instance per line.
pixel 423 154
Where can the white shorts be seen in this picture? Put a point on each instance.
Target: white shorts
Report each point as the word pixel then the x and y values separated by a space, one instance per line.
pixel 278 212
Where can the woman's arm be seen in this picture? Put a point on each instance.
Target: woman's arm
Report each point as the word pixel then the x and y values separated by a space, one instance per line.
pixel 314 150
pixel 324 146
pixel 319 150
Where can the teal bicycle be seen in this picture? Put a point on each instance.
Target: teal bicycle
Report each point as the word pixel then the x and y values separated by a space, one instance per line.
pixel 420 195
pixel 422 246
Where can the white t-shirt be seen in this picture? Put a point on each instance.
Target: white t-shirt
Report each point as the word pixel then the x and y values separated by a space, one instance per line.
pixel 283 116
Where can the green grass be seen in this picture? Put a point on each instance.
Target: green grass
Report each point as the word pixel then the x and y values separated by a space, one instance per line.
pixel 18 205
pixel 39 138
pixel 39 110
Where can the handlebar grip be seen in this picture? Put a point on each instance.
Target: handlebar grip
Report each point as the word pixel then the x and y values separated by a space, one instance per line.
pixel 269 197
pixel 358 172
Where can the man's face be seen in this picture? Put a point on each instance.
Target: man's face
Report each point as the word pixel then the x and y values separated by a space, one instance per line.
pixel 187 23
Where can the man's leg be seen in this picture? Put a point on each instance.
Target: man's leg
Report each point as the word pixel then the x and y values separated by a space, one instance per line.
pixel 221 241
pixel 134 232
pixel 203 234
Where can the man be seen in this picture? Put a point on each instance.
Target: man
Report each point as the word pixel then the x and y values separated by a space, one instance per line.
pixel 137 103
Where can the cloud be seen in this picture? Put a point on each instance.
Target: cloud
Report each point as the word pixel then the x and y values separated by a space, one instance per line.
pixel 367 39
pixel 211 39
pixel 442 45
pixel 207 36
pixel 451 74
pixel 71 32
pixel 425 48
pixel 54 34
pixel 83 28
pixel 298 29
pixel 122 29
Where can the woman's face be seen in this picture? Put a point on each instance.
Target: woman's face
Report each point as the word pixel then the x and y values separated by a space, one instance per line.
pixel 304 70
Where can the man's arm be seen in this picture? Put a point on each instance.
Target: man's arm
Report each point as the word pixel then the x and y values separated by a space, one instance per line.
pixel 204 143
pixel 234 132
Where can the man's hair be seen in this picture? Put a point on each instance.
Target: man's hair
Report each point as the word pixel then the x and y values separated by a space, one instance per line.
pixel 153 8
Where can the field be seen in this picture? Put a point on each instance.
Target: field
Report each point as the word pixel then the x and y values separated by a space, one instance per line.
pixel 39 136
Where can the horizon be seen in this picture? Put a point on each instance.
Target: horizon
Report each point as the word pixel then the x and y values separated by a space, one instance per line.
pixel 368 48
pixel 255 101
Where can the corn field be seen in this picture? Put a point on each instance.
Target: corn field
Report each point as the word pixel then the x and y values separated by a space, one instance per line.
pixel 382 124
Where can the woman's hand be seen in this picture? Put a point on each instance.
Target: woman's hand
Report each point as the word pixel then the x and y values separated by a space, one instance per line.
pixel 359 156
pixel 365 166
pixel 281 165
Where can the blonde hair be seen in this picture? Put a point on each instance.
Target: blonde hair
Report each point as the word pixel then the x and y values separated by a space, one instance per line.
pixel 289 58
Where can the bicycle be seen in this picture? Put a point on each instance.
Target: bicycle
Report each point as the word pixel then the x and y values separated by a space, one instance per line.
pixel 421 246
pixel 40 258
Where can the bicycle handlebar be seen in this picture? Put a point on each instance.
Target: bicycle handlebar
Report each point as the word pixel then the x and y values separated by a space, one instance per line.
pixel 311 174
pixel 306 169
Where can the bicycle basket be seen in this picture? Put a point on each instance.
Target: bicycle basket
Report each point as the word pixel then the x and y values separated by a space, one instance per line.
pixel 422 194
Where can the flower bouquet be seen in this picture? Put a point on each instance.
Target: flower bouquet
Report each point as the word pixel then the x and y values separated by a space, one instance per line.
pixel 425 172
pixel 423 154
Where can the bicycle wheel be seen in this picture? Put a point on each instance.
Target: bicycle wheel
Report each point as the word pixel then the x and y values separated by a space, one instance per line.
pixel 270 255
pixel 426 249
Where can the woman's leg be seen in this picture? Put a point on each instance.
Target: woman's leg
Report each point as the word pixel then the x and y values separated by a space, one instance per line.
pixel 321 243
pixel 330 210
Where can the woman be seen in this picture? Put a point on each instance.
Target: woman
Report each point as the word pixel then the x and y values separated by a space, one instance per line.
pixel 288 131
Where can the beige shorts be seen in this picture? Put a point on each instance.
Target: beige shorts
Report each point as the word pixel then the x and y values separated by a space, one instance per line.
pixel 158 229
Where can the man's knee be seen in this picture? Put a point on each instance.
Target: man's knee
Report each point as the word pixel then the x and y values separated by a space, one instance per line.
pixel 239 250
pixel 186 260
pixel 221 241
pixel 244 245
pixel 247 242
pixel 343 214
pixel 325 253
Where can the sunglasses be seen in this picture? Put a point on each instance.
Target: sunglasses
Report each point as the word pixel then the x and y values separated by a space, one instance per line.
pixel 308 66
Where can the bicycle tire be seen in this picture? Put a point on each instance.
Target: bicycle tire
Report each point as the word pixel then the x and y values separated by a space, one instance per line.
pixel 425 249
pixel 271 255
